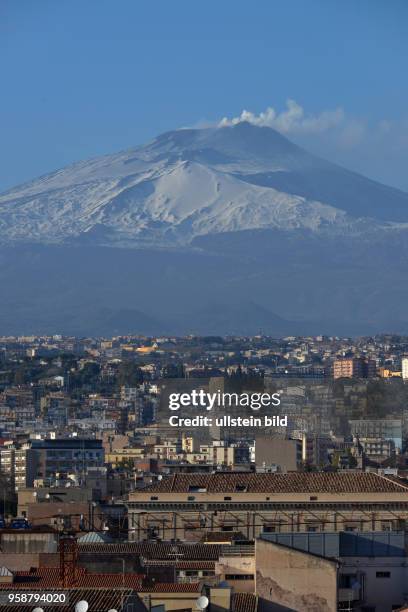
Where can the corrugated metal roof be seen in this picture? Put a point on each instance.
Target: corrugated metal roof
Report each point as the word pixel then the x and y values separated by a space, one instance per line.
pixel 95 538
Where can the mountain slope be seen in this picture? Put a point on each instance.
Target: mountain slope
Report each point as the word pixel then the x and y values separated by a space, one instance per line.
pixel 191 183
pixel 221 230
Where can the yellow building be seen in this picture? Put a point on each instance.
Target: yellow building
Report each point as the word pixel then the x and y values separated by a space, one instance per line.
pixel 124 454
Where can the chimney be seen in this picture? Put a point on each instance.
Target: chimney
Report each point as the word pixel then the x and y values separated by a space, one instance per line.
pixel 68 551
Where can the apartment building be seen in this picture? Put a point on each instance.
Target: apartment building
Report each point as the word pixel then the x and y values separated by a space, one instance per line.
pixel 332 571
pixel 19 466
pixel 66 455
pixel 354 367
pixel 280 453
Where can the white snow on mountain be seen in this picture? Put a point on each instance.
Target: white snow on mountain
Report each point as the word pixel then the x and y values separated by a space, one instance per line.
pixel 189 183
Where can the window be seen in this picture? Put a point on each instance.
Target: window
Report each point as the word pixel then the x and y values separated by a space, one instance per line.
pixel 346 581
pixel 239 576
pixel 227 498
pixel 153 498
pixel 383 574
pixel 190 498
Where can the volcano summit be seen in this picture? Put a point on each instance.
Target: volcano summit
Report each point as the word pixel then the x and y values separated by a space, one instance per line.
pixel 217 230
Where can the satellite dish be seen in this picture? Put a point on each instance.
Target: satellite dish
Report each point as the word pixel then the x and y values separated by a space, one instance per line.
pixel 81 606
pixel 202 602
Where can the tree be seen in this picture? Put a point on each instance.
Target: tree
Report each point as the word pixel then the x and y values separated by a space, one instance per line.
pixel 129 374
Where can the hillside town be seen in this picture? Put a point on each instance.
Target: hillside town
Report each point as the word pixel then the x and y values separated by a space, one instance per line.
pixel 102 500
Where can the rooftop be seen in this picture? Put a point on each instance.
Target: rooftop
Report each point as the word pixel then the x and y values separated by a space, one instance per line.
pixel 99 600
pixel 343 543
pixel 155 550
pixel 244 602
pixel 295 482
pixel 49 578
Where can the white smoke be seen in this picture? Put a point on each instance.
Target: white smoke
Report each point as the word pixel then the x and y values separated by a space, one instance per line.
pixel 292 120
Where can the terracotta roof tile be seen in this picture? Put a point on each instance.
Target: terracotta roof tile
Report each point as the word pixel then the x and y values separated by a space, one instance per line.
pixel 172 587
pixel 296 482
pixel 48 577
pixel 155 550
pixel 244 602
pixel 99 600
pixel 204 565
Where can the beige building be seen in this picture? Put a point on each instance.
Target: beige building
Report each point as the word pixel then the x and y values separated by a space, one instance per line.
pixel 189 506
pixel 280 452
pixel 404 365
pixel 329 572
pixel 292 580
pixel 354 367
pixel 19 465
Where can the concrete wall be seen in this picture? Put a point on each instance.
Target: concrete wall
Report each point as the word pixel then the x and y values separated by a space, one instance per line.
pixel 27 542
pixel 289 580
pixel 227 566
pixel 171 601
pixel 271 450
pixel 18 561
pixel 380 592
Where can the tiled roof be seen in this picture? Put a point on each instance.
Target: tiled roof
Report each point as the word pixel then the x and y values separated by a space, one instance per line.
pixel 294 482
pixel 223 536
pixel 199 565
pixel 48 577
pixel 244 602
pixel 154 550
pixel 172 587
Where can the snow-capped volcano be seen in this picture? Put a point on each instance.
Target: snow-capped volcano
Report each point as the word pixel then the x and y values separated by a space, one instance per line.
pixel 281 240
pixel 195 182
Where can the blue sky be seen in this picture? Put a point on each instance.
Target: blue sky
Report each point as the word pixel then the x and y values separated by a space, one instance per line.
pixel 79 78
